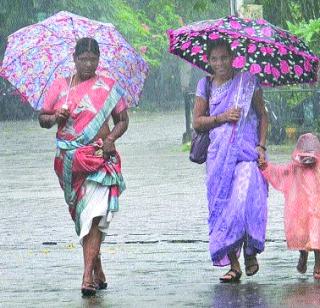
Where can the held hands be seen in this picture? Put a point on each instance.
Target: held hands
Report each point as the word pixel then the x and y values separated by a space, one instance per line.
pixel 231 115
pixel 262 163
pixel 61 115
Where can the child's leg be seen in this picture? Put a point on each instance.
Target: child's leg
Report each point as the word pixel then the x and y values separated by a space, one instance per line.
pixel 302 263
pixel 316 271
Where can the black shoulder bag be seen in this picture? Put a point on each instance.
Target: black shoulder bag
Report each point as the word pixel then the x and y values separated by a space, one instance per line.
pixel 200 140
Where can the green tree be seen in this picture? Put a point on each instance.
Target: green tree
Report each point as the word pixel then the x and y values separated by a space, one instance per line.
pixel 295 11
pixel 309 31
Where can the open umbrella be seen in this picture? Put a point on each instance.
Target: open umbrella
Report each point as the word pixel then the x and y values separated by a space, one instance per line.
pixel 275 55
pixel 37 54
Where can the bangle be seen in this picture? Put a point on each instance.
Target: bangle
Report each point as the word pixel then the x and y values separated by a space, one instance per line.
pixel 262 147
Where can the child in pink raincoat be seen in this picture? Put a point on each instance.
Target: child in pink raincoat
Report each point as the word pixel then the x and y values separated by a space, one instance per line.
pixel 299 181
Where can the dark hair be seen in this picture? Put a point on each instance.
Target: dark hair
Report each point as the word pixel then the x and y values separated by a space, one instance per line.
pixel 216 44
pixel 87 44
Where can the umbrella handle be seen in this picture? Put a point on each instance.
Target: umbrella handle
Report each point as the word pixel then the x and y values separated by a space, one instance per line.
pixel 65 104
pixel 238 94
pixel 236 105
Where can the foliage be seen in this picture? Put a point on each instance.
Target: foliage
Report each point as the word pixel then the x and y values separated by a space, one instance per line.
pixel 186 147
pixel 309 31
pixel 292 95
pixel 147 32
pixel 144 24
pixel 295 11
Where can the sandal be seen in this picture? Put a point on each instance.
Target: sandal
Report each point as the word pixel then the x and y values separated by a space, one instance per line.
pixel 251 264
pixel 302 263
pixel 88 289
pixel 234 275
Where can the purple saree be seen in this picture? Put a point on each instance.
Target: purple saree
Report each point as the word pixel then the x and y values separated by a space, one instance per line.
pixel 236 190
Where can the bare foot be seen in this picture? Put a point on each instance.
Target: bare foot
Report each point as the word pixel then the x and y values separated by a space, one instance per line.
pixel 316 270
pixel 99 277
pixel 316 273
pixel 302 263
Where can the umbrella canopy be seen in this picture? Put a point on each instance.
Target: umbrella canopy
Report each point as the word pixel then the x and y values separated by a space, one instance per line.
pixel 275 55
pixel 37 54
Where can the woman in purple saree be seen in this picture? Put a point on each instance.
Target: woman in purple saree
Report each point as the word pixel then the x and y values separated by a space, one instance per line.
pixel 236 191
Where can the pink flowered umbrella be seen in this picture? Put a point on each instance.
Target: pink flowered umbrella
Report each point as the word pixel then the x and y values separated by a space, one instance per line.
pixel 37 54
pixel 275 55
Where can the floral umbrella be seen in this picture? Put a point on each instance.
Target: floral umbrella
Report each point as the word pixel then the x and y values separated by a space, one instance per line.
pixel 37 54
pixel 275 55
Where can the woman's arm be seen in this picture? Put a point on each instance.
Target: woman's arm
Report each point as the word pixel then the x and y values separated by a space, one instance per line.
pixel 48 117
pixel 47 120
pixel 259 107
pixel 121 122
pixel 203 122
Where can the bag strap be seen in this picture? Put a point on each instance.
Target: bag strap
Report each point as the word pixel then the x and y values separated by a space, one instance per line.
pixel 208 87
pixel 208 90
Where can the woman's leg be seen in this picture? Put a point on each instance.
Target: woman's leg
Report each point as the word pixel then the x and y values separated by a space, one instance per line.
pixel 302 263
pixel 98 275
pixel 251 264
pixel 91 249
pixel 316 271
pixel 250 259
pixel 234 274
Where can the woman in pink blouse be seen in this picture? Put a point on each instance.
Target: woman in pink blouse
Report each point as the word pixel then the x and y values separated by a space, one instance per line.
pixel 87 163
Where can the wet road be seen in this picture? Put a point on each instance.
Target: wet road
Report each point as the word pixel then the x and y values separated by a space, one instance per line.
pixel 156 253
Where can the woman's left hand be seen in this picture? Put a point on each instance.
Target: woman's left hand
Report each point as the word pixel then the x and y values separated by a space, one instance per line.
pixel 108 148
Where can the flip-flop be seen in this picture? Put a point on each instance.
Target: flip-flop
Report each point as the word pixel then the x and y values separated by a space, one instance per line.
pixel 251 262
pixel 234 278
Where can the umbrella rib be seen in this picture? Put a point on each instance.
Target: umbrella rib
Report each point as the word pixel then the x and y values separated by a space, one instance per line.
pixel 23 53
pixel 50 30
pixel 31 48
pixel 64 60
pixel 73 29
pixel 53 33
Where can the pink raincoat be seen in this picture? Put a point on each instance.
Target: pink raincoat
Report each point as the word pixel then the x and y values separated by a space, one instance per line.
pixel 299 181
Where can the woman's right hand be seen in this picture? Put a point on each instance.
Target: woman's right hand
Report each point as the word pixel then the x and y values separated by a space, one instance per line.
pixel 231 115
pixel 62 115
